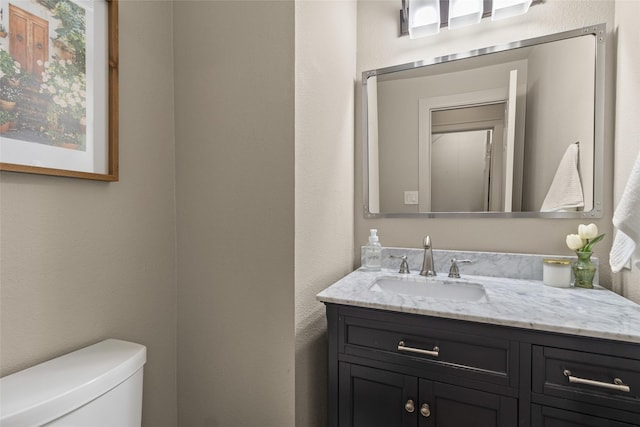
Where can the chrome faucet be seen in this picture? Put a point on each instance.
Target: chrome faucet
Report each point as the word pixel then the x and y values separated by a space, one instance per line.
pixel 427 262
pixel 404 265
pixel 454 272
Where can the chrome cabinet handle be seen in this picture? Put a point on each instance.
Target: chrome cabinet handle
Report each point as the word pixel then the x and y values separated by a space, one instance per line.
pixel 618 384
pixel 425 411
pixel 409 406
pixel 434 352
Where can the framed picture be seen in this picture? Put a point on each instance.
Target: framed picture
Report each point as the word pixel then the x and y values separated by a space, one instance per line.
pixel 59 87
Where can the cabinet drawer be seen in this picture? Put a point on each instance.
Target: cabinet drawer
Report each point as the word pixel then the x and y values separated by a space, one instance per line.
pixel 597 379
pixel 542 416
pixel 427 346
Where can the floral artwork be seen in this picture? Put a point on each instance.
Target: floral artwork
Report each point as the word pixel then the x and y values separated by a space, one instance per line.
pixel 66 88
pixel 44 98
pixel 59 88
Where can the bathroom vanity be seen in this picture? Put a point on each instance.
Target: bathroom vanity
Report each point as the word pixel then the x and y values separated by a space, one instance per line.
pixel 517 354
pixel 497 347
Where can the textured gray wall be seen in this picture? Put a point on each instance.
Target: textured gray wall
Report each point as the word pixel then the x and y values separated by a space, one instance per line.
pixel 82 260
pixel 325 71
pixel 234 68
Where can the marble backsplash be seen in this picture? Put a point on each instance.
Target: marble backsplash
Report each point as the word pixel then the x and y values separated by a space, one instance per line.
pixel 491 264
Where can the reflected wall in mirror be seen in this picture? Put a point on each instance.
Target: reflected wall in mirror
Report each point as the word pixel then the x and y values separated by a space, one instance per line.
pixel 491 132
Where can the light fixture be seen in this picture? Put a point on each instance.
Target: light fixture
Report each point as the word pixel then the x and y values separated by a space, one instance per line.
pixel 502 9
pixel 464 12
pixel 424 18
pixel 419 18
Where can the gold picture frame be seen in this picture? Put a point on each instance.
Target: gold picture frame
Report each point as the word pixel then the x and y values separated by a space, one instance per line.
pixel 67 113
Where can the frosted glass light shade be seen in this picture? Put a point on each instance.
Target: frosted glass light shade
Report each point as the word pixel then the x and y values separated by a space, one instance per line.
pixel 507 8
pixel 464 12
pixel 424 18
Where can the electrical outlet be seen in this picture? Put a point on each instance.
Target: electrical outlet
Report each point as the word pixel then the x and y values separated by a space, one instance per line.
pixel 410 197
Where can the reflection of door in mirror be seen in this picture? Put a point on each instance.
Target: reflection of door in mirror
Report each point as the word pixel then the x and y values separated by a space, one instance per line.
pixel 461 171
pixel 466 159
pixel 476 110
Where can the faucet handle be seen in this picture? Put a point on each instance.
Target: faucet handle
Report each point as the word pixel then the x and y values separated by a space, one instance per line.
pixel 404 265
pixel 454 272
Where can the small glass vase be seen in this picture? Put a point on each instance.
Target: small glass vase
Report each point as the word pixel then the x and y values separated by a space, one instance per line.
pixel 583 271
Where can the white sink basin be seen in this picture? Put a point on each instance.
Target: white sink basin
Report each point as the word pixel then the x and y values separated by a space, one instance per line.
pixel 431 287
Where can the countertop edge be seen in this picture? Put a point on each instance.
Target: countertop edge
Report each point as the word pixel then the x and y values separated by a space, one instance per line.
pixel 352 290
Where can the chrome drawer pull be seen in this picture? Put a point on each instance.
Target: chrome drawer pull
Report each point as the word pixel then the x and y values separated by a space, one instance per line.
pixel 617 382
pixel 434 352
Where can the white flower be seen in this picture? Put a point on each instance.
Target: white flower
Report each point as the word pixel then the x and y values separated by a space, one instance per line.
pixel 39 62
pixel 587 232
pixel 52 89
pixel 574 242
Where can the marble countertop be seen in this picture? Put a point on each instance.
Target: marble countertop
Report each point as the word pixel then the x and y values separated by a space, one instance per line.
pixel 521 303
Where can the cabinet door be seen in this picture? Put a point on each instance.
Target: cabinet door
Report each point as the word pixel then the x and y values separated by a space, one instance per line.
pixel 376 398
pixel 454 406
pixel 542 416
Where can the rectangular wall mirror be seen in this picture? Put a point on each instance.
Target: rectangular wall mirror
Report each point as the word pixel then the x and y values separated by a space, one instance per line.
pixel 514 130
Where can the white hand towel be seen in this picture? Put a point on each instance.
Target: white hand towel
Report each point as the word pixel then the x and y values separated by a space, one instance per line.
pixel 627 220
pixel 565 192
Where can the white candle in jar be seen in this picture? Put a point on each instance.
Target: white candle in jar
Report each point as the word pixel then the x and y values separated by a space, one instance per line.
pixel 556 272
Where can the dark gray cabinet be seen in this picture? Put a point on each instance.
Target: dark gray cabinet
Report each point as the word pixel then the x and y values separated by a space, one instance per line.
pixel 378 398
pixel 392 369
pixel 545 416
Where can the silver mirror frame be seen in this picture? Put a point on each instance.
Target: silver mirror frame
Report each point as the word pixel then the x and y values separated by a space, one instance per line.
pixel 599 32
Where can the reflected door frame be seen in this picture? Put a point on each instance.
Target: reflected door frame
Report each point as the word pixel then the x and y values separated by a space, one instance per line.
pixel 425 108
pixel 493 190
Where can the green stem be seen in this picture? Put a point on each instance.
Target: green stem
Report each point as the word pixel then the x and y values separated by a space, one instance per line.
pixel 590 243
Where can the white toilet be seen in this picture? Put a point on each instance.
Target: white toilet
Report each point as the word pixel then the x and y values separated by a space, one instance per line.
pixel 97 386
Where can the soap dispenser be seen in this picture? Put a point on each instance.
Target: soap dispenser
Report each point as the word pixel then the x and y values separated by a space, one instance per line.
pixel 373 252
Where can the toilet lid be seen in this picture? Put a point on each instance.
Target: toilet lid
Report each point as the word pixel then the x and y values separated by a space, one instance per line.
pixel 44 392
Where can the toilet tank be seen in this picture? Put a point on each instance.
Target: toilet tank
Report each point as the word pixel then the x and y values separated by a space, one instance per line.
pixel 97 386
